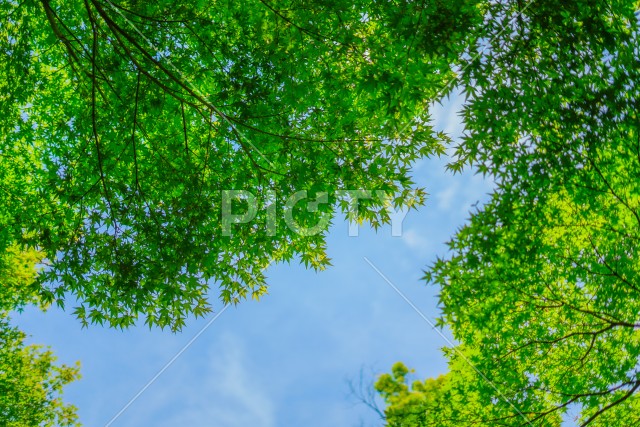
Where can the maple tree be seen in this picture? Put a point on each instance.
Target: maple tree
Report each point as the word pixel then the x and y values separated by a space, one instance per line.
pixel 540 285
pixel 450 400
pixel 31 382
pixel 124 122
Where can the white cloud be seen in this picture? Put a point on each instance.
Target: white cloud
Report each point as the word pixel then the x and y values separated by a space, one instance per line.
pixel 220 391
pixel 415 240
pixel 242 401
pixel 445 198
pixel 462 192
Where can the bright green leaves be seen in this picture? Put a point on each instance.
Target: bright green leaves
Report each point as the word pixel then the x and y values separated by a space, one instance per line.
pixel 457 398
pixel 408 406
pixel 542 280
pixel 138 116
pixel 542 83
pixel 540 287
pixel 548 294
pixel 30 381
pixel 18 276
pixel 31 384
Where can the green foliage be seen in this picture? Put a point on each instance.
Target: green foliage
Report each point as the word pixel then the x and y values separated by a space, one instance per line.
pixel 17 277
pixel 30 381
pixel 451 400
pixel 409 405
pixel 123 123
pixel 540 286
pixel 542 281
pixel 31 384
pixel 548 293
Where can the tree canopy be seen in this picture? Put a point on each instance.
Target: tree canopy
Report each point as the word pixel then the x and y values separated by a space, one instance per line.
pixel 30 381
pixel 449 400
pixel 123 122
pixel 540 286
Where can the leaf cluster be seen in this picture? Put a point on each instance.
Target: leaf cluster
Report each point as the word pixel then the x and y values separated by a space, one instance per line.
pixel 122 123
pixel 540 286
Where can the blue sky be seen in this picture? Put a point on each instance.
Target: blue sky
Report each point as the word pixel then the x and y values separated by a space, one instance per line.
pixel 287 359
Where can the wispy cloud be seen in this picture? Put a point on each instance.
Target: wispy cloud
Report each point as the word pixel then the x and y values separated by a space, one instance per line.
pixel 458 196
pixel 234 398
pixel 226 394
pixel 416 240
